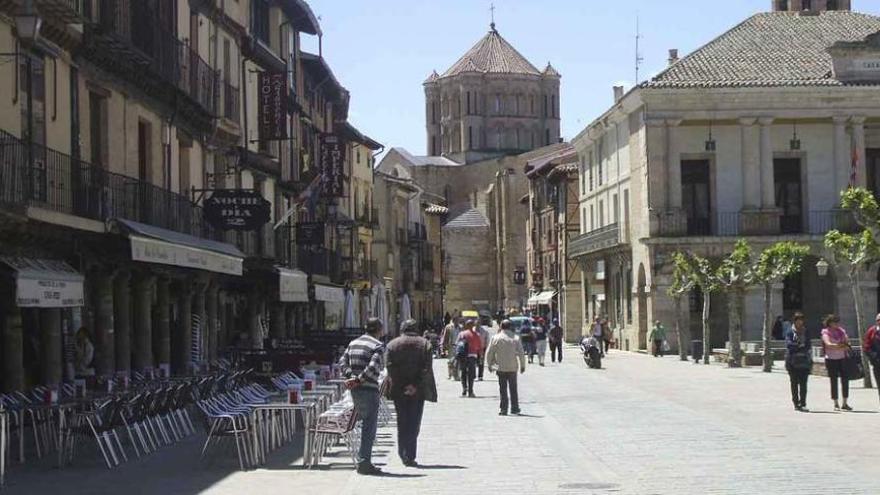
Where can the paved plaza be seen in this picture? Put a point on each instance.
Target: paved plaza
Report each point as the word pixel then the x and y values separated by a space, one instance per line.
pixel 640 426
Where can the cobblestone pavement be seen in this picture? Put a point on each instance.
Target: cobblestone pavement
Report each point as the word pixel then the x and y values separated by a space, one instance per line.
pixel 640 426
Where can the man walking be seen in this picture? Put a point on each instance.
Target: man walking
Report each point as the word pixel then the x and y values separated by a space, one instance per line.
pixel 448 340
pixel 362 363
pixel 658 336
pixel 410 369
pixel 504 355
pixel 556 341
pixel 483 332
pixel 468 349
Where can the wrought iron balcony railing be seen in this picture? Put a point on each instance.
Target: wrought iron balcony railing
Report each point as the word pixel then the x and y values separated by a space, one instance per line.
pixel 733 224
pixel 34 175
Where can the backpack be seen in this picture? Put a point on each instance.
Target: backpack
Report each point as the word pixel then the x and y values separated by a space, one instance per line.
pixel 461 348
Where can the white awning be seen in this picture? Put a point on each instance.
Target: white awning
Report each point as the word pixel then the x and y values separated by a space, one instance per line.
pixel 152 244
pixel 542 298
pixel 293 285
pixel 328 293
pixel 42 283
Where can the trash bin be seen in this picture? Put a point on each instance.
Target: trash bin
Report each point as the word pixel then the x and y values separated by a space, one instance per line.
pixel 697 350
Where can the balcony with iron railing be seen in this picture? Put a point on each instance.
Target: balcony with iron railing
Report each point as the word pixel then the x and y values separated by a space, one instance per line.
pixel 37 176
pixel 129 38
pixel 64 11
pixel 597 240
pixel 734 224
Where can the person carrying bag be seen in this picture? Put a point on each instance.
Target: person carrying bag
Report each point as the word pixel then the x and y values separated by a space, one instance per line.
pixel 871 348
pixel 837 356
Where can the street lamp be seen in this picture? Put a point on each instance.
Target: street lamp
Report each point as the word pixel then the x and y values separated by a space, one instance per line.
pixel 28 22
pixel 822 268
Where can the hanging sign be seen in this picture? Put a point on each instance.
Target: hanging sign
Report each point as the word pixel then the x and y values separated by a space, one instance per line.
pixel 273 105
pixel 310 234
pixel 237 209
pixel 333 166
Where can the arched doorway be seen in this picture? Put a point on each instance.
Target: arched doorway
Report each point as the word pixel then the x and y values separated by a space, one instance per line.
pixel 643 307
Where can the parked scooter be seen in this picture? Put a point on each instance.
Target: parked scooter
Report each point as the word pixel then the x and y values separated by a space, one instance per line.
pixel 590 347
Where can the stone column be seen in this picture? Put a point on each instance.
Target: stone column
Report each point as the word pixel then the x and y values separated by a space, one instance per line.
pixel 254 312
pixel 199 308
pixel 751 176
pixel 211 314
pixel 858 132
pixel 162 337
pixel 50 346
pixel 122 319
pixel 181 342
pixel 768 190
pixel 105 349
pixel 142 337
pixel 277 330
pixel 673 165
pixel 13 350
pixel 841 158
pixel 228 330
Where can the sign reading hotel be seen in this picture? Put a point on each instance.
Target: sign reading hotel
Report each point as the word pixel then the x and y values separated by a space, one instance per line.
pixel 237 209
pixel 272 107
pixel 48 293
pixel 155 251
pixel 333 166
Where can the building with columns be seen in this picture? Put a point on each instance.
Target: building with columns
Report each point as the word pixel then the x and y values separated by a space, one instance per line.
pixel 752 136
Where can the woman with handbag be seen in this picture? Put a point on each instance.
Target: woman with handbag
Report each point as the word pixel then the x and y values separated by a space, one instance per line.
pixel 836 345
pixel 798 361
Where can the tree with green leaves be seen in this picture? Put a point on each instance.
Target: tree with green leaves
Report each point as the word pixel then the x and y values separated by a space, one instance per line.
pixel 735 275
pixel 697 273
pixel 682 283
pixel 775 263
pixel 855 253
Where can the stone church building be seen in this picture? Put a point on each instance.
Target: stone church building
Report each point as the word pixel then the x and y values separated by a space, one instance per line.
pixel 486 117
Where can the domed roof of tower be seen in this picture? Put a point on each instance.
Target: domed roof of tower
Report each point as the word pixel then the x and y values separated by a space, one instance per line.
pixel 492 54
pixel 433 77
pixel 551 71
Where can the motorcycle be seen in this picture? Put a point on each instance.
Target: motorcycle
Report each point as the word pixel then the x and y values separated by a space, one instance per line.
pixel 592 352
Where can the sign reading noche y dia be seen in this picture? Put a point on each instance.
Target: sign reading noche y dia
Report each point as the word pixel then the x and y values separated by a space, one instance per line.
pixel 273 105
pixel 237 209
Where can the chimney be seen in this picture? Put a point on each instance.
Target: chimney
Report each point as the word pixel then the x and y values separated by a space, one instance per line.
pixel 673 55
pixel 618 93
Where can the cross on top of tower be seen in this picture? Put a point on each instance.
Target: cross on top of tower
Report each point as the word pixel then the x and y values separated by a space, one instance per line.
pixel 492 10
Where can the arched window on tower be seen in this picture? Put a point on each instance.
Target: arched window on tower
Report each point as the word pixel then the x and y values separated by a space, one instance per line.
pixel 553 106
pixel 547 137
pixel 498 103
pixel 532 105
pixel 517 139
pixel 468 102
pixel 434 145
pixel 470 143
pixel 499 139
pixel 516 106
pixel 545 105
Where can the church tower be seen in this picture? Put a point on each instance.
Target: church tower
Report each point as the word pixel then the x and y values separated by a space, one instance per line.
pixel 810 5
pixel 491 102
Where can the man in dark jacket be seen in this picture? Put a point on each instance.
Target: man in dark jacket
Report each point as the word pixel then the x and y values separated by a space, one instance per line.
pixel 556 341
pixel 410 368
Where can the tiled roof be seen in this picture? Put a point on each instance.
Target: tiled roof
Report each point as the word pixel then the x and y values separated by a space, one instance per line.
pixel 469 218
pixel 421 161
pixel 770 49
pixel 539 165
pixel 492 54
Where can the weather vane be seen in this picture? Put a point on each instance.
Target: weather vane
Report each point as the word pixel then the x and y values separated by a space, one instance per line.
pixel 492 10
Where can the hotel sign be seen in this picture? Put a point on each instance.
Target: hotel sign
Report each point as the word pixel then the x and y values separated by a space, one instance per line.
pixel 333 166
pixel 272 105
pixel 165 253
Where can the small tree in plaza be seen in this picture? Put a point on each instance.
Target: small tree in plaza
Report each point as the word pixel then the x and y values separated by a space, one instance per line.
pixel 682 283
pixel 775 263
pixel 855 252
pixel 694 271
pixel 735 275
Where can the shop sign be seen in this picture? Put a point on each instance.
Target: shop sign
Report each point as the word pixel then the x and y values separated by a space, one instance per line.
pixel 272 107
pixel 333 166
pixel 40 292
pixel 237 209
pixel 293 286
pixel 310 234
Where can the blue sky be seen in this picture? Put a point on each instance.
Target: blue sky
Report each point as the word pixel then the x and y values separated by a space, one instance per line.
pixel 382 50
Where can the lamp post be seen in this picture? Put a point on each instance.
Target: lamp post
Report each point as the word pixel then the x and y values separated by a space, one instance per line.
pixel 822 272
pixel 28 22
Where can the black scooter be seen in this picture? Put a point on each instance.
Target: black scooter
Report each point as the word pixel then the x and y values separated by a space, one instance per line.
pixel 592 352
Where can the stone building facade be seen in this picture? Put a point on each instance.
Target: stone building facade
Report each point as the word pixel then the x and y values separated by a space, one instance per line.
pixel 725 144
pixel 491 101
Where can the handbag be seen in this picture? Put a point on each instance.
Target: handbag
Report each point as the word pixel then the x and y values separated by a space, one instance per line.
pixel 852 366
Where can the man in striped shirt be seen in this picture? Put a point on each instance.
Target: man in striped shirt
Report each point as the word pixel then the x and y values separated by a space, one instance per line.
pixel 362 363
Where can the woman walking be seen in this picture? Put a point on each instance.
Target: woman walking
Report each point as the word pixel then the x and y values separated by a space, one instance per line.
pixel 527 337
pixel 541 340
pixel 798 361
pixel 836 344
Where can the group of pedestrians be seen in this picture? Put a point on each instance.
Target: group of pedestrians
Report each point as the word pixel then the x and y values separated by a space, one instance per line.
pixel 841 362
